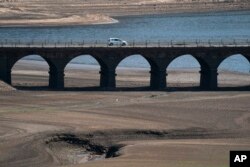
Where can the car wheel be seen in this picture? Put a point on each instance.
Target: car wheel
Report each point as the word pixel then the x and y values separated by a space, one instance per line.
pixel 111 44
pixel 123 44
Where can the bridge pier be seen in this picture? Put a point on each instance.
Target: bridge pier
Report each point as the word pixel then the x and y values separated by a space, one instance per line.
pixel 5 71
pixel 5 75
pixel 209 79
pixel 56 78
pixel 107 78
pixel 158 79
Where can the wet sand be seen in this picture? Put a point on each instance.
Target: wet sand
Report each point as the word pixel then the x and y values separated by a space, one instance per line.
pixel 138 128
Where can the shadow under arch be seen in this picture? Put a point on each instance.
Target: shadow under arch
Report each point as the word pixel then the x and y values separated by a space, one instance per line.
pixel 82 72
pixel 184 72
pixel 32 73
pixel 234 72
pixel 132 73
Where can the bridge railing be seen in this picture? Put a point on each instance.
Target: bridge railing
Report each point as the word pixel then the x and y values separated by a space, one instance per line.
pixel 132 43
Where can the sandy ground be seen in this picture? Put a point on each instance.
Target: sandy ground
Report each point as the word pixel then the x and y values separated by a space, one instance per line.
pixel 78 12
pixel 79 128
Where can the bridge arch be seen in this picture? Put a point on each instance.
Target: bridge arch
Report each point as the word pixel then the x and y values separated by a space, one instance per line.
pixel 143 57
pixel 97 58
pixel 38 70
pixel 29 55
pixel 134 71
pixel 90 74
pixel 184 71
pixel 199 59
pixel 231 75
pixel 225 57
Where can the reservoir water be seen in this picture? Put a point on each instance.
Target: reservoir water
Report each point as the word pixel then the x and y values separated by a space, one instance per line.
pixel 225 26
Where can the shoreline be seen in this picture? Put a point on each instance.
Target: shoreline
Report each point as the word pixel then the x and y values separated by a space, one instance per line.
pixel 55 24
pixel 115 19
pixel 101 16
pixel 185 14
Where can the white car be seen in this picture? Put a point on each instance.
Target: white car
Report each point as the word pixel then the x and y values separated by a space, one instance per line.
pixel 117 42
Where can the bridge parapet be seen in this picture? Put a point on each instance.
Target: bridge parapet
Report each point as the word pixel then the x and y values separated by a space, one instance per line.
pixel 147 43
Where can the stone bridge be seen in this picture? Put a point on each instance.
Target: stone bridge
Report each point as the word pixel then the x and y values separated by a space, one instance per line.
pixel 159 58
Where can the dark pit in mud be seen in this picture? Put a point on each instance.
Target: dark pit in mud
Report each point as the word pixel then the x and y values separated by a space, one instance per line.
pixel 69 148
pixel 72 149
